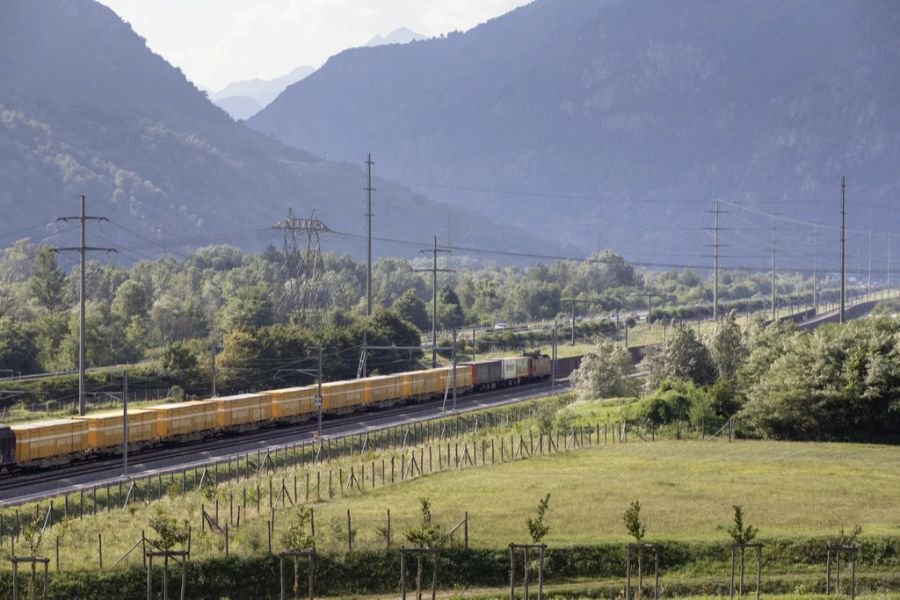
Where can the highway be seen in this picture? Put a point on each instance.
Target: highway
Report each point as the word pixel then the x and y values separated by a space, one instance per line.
pixel 52 482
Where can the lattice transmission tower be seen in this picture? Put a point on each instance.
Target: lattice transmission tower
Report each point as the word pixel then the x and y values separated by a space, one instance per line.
pixel 302 267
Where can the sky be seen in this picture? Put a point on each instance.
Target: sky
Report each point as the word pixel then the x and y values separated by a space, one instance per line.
pixel 216 42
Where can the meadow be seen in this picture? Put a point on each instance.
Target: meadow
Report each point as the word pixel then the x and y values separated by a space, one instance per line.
pixel 686 489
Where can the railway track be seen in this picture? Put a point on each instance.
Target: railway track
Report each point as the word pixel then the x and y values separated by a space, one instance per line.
pixel 25 487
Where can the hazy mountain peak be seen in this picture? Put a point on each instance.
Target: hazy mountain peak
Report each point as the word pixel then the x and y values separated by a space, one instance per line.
pixel 239 98
pixel 398 36
pixel 87 108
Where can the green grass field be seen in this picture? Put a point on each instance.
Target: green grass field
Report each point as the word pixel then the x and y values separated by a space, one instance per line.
pixel 686 489
pixel 591 590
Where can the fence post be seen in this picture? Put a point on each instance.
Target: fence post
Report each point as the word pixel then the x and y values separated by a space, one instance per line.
pixel 388 528
pixel 466 529
pixel 349 534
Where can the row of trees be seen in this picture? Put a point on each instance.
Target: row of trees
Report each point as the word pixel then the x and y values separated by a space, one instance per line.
pixel 134 311
pixel 835 382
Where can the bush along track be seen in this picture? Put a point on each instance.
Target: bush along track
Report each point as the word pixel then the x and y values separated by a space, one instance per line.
pixel 791 566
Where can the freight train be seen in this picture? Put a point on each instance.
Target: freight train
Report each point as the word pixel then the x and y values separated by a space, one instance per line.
pixel 61 441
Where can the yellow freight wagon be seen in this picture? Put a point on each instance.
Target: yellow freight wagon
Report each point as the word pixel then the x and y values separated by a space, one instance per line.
pixel 243 408
pixel 385 388
pixel 463 376
pixel 424 383
pixel 290 402
pixel 105 429
pixel 185 417
pixel 338 395
pixel 49 438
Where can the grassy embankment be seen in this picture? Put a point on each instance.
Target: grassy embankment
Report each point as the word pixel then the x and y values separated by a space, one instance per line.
pixel 686 489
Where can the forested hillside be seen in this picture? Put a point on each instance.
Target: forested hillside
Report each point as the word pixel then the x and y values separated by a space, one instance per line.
pixel 619 122
pixel 87 108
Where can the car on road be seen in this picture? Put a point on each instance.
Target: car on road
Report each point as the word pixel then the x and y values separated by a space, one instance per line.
pixel 500 325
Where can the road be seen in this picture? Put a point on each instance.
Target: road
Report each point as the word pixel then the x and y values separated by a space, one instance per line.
pixel 53 482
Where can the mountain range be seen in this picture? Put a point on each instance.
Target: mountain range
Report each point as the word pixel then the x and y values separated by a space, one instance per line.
pixel 618 123
pixel 402 35
pixel 87 108
pixel 243 99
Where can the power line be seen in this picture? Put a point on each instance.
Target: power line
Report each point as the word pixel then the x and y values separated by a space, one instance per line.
pixel 547 195
pixel 843 247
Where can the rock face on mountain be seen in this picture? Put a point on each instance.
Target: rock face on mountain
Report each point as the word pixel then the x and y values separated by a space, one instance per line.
pixel 86 108
pixel 626 119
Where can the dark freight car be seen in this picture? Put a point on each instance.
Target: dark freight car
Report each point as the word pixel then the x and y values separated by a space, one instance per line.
pixel 488 373
pixel 7 445
pixel 565 366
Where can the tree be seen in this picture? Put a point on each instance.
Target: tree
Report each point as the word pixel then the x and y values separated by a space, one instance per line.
pixel 299 537
pixel 104 338
pixel 132 300
pixel 727 346
pixel 299 532
pixel 168 530
pixel 18 347
pixel 249 307
pixel 740 533
pixel 685 357
pixel 47 283
pixel 604 372
pixel 387 328
pixel 427 534
pixel 633 523
pixel 673 401
pixel 836 382
pixel 411 308
pixel 179 362
pixel 537 527
pixel 450 313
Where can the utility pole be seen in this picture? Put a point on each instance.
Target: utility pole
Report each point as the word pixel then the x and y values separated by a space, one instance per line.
pixel 434 271
pixel 816 270
pixel 715 246
pixel 213 350
pixel 453 362
pixel 890 266
pixel 575 301
pixel 869 279
pixel 319 393
pixel 82 249
pixel 774 306
pixel 369 215
pixel 125 424
pixel 843 248
pixel 553 356
pixel 650 296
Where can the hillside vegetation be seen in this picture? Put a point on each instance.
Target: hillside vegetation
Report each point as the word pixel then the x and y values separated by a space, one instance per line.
pixel 616 118
pixel 87 108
